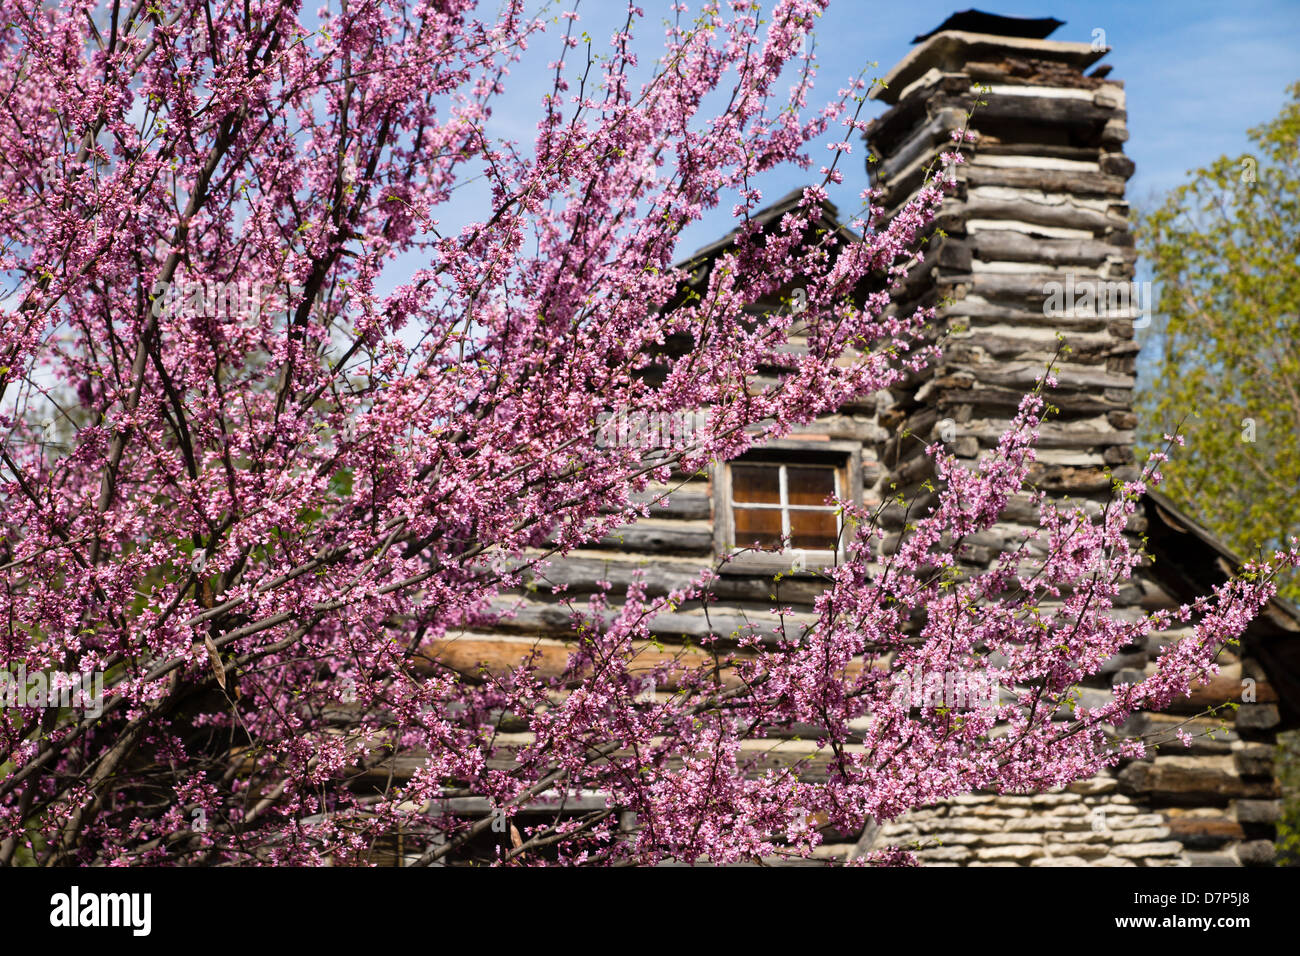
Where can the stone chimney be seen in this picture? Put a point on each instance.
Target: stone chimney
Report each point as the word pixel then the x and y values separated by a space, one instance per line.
pixel 1036 241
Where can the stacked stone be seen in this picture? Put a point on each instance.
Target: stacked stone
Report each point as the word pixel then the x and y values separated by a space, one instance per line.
pixel 1051 829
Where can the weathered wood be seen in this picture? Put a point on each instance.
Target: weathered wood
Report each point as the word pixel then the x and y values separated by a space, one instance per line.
pixel 1258 811
pixel 1029 71
pixel 661 538
pixel 1190 782
pixel 1117 164
pixel 544 806
pixel 896 125
pixel 579 576
pixel 986 368
pixel 1008 246
pixel 1255 760
pixel 922 144
pixel 1070 481
pixel 1047 132
pixel 478 654
pixel 686 503
pixel 1044 214
pixel 1204 833
pixel 969 350
pixel 1060 435
pixel 1003 310
pixel 1038 113
pixel 1026 374
pixel 538 616
pixel 1255 717
pixel 842 427
pixel 1219 691
pixel 1085 154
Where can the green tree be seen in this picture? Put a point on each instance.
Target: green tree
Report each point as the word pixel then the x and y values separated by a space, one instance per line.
pixel 1222 360
pixel 1222 355
pixel 1288 828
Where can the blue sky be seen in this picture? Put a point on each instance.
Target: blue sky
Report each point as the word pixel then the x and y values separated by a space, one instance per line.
pixel 1198 74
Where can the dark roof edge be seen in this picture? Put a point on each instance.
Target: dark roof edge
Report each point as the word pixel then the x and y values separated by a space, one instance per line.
pixel 1184 522
pixel 830 216
pixel 995 24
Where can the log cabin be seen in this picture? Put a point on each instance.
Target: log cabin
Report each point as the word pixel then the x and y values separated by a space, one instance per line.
pixel 1039 201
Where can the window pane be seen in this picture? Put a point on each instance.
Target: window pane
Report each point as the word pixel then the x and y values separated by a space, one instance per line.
pixel 760 484
pixel 809 486
pixel 758 524
pixel 815 530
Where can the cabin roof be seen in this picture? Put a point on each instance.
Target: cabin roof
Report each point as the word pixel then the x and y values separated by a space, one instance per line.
pixel 1189 560
pixel 977 21
pixel 768 214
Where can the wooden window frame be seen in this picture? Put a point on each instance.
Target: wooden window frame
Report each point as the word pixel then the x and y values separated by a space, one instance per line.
pixel 845 456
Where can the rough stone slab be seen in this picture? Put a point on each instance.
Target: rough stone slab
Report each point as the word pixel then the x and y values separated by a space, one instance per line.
pixel 1011 839
pixel 1030 824
pixel 1089 851
pixel 1053 799
pixel 1142 835
pixel 1079 838
pixel 959 839
pixel 1134 850
pixel 972 825
pixel 949 853
pixel 1094 786
pixel 1145 820
pixel 1072 824
pixel 1014 852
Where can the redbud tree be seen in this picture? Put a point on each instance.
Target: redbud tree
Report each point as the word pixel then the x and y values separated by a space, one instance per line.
pixel 272 433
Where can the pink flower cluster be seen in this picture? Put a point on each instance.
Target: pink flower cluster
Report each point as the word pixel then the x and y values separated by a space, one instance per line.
pixel 260 523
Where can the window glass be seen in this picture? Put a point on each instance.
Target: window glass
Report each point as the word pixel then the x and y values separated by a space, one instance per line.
pixel 756 483
pixel 809 485
pixel 761 525
pixel 815 530
pixel 771 500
